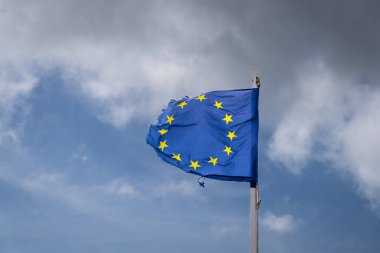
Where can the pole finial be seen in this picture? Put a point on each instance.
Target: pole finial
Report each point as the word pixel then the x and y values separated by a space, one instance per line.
pixel 256 79
pixel 258 83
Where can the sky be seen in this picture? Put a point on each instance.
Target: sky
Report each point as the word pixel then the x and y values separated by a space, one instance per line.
pixel 81 81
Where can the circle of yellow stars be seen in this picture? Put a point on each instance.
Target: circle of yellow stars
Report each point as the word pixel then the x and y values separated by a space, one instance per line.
pixel 213 160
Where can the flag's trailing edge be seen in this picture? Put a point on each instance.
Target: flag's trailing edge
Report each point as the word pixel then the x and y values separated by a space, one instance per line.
pixel 214 135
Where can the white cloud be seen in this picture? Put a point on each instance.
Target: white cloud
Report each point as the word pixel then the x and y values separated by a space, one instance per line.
pixel 81 153
pixel 280 224
pixel 180 188
pixel 361 146
pixel 16 83
pixel 56 186
pixel 316 107
pixel 335 121
pixel 59 187
pixel 222 230
pixel 119 187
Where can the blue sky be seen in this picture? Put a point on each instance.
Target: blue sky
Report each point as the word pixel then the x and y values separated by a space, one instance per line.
pixel 80 83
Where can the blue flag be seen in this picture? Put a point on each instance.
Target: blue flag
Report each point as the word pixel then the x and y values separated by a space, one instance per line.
pixel 213 135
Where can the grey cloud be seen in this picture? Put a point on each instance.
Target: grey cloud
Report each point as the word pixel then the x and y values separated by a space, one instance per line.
pixel 128 58
pixel 120 45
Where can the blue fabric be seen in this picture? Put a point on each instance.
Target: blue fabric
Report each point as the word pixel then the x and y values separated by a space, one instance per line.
pixel 199 132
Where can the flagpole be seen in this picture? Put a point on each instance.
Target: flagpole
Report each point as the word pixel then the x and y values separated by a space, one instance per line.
pixel 254 202
pixel 254 219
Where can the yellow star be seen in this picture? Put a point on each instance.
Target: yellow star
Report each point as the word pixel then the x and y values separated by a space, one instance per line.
pixel 169 119
pixel 177 157
pixel 228 150
pixel 201 98
pixel 163 145
pixel 163 131
pixel 182 104
pixel 218 104
pixel 231 135
pixel 214 161
pixel 228 118
pixel 194 165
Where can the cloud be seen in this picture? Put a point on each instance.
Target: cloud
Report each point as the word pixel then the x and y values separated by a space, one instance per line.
pixel 99 200
pixel 128 58
pixel 360 146
pixel 318 106
pixel 223 230
pixel 88 198
pixel 56 186
pixel 119 187
pixel 180 188
pixel 16 83
pixel 280 224
pixel 120 72
pixel 335 121
pixel 81 153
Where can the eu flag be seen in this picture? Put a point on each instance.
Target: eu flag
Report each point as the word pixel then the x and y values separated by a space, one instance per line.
pixel 213 135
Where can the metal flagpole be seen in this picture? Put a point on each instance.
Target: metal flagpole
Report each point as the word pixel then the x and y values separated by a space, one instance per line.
pixel 254 203
pixel 254 219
